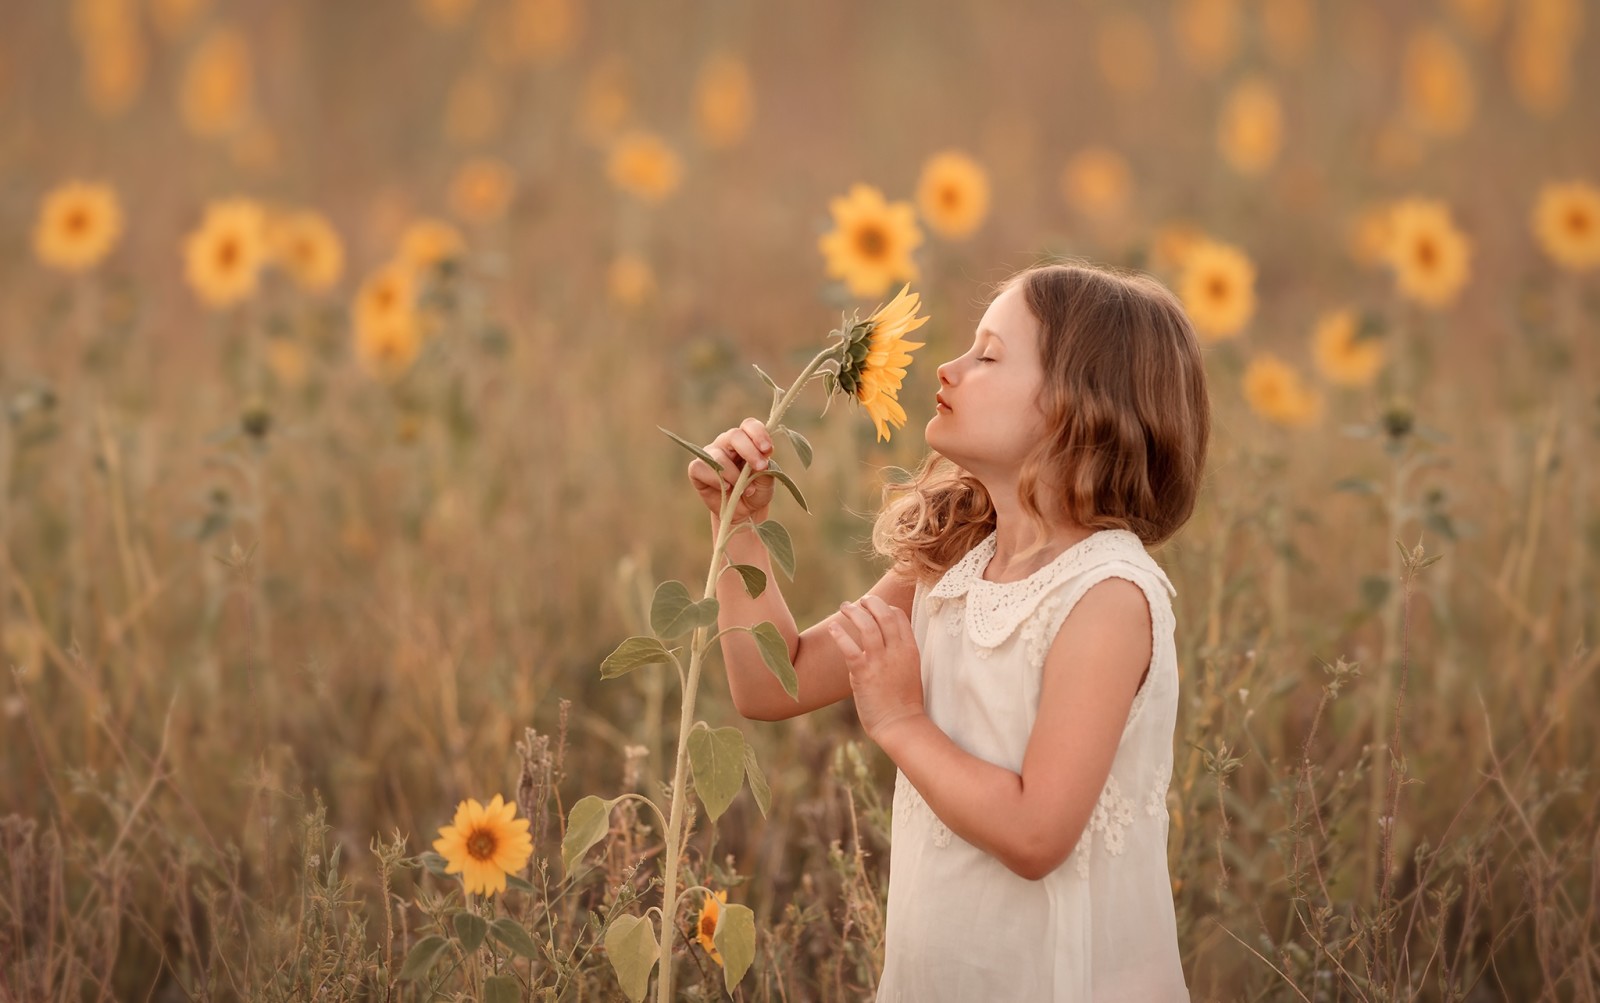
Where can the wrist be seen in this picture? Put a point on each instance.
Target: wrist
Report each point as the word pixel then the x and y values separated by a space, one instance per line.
pixel 892 735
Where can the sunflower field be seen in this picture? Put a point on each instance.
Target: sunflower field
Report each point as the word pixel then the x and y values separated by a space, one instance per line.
pixel 336 521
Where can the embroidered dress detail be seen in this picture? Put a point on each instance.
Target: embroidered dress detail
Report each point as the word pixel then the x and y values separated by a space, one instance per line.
pixel 908 799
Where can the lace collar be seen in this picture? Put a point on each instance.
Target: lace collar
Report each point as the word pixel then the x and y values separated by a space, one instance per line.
pixel 997 608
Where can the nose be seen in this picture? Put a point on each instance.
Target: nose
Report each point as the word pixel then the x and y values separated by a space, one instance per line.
pixel 944 374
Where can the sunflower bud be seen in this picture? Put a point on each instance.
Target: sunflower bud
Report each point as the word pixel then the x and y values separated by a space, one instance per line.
pixel 870 359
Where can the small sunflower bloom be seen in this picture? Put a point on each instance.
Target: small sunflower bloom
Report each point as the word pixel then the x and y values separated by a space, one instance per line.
pixel 216 94
pixel 705 927
pixel 1345 353
pixel 387 295
pixel 1276 391
pixel 306 245
pixel 1437 84
pixel 1218 289
pixel 78 225
pixel 1369 235
pixel 871 242
pixel 484 844
pixel 481 190
pixel 1430 257
pixel 723 103
pixel 1250 132
pixel 426 242
pixel 223 257
pixel 1097 183
pixel 953 194
pixel 1566 221
pixel 872 358
pixel 644 166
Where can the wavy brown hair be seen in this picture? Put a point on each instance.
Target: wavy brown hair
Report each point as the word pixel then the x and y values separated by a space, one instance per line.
pixel 1125 393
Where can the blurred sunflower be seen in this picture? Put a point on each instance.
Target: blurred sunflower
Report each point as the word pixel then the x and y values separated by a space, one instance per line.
pixel 1428 254
pixel 426 242
pixel 1097 183
pixel 78 225
pixel 1566 221
pixel 1539 65
pixel 706 925
pixel 953 194
pixel 386 296
pixel 644 166
pixel 223 257
pixel 1343 353
pixel 871 241
pixel 1217 286
pixel 215 94
pixel 307 247
pixel 630 280
pixel 484 844
pixel 541 30
pixel 606 102
pixel 114 66
pixel 481 190
pixel 387 348
pixel 723 103
pixel 1208 32
pixel 1125 52
pixel 1276 391
pixel 1369 235
pixel 1288 26
pixel 1437 83
pixel 1250 131
pixel 1171 244
pixel 872 358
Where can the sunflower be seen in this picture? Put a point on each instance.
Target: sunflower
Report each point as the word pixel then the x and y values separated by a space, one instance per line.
pixel 1218 289
pixel 953 194
pixel 1208 32
pixel 308 248
pixel 723 103
pixel 79 223
pixel 385 297
pixel 871 242
pixel 644 166
pixel 1369 234
pixel 481 190
pixel 1437 84
pixel 215 98
pixel 1344 352
pixel 484 844
pixel 706 926
pixel 1428 254
pixel 1097 183
pixel 630 280
pixel 1251 129
pixel 1275 391
pixel 872 358
pixel 223 258
pixel 426 242
pixel 1566 220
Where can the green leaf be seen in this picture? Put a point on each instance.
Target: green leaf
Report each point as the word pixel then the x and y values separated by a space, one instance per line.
pixel 777 473
pixel 515 936
pixel 435 863
pixel 757 780
pixel 717 759
pixel 501 989
pixel 779 547
pixel 802 446
pixel 470 930
pixel 631 945
pixel 631 654
pixel 775 652
pixel 520 884
pixel 422 957
pixel 769 381
pixel 673 612
pixel 736 942
pixel 755 580
pixel 587 824
pixel 691 447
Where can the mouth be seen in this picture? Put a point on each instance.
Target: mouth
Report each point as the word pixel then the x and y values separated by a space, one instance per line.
pixel 942 404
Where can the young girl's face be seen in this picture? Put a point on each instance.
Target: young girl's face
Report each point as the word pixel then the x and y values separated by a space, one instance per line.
pixel 989 416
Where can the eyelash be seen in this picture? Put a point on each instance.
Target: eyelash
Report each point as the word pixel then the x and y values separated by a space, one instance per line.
pixel 983 358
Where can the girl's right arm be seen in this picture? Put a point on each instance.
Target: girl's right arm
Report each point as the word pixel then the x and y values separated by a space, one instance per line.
pixel 819 664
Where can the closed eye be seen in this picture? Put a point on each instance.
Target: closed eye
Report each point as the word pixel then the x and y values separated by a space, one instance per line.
pixel 984 358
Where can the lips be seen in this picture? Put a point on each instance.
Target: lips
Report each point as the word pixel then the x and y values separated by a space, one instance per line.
pixel 942 403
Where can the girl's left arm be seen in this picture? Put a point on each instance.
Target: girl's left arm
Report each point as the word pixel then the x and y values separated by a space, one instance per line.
pixel 1029 821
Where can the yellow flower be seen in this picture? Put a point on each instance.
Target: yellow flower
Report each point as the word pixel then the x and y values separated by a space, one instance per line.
pixel 1540 69
pixel 1428 254
pixel 1566 220
pixel 386 348
pixel 871 241
pixel 1126 53
pixel 1250 132
pixel 385 296
pixel 215 95
pixel 484 844
pixel 630 280
pixel 1208 32
pixel 1342 354
pixel 1097 183
pixel 953 194
pixel 79 223
pixel 1370 235
pixel 644 166
pixel 223 257
pixel 723 102
pixel 706 926
pixel 1437 83
pixel 1275 391
pixel 481 190
pixel 114 67
pixel 1217 286
pixel 427 242
pixel 308 248
pixel 873 356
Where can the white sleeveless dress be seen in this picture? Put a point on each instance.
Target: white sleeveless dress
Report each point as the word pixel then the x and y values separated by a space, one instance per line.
pixel 1100 928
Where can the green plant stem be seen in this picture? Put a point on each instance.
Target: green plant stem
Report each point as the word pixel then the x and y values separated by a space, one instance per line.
pixel 674 849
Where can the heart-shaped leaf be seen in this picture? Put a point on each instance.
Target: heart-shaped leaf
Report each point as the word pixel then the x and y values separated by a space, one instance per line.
pixel 501 989
pixel 631 654
pixel 422 956
pixel 470 930
pixel 674 612
pixel 779 547
pixel 514 936
pixel 775 652
pixel 802 446
pixel 633 950
pixel 587 824
pixel 736 942
pixel 717 759
pixel 755 580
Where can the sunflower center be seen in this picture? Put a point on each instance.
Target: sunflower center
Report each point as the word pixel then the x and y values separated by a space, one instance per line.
pixel 950 195
pixel 1217 288
pixel 872 241
pixel 1578 222
pixel 1427 253
pixel 481 844
pixel 708 925
pixel 77 221
pixel 228 253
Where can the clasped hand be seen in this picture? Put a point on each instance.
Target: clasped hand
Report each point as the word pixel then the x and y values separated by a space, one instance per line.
pixel 885 665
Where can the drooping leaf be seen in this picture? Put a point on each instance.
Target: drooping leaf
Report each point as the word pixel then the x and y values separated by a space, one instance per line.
pixel 775 652
pixel 435 863
pixel 755 580
pixel 631 945
pixel 717 759
pixel 777 473
pixel 769 381
pixel 691 447
pixel 520 884
pixel 631 654
pixel 501 989
pixel 779 547
pixel 802 446
pixel 736 942
pixel 587 824
pixel 674 612
pixel 757 780
pixel 514 936
pixel 470 930
pixel 422 956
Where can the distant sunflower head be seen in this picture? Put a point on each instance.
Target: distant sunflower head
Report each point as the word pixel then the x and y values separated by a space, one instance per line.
pixel 481 190
pixel 386 294
pixel 78 225
pixel 426 242
pixel 1566 221
pixel 1250 132
pixel 723 101
pixel 872 358
pixel 1276 391
pixel 871 242
pixel 306 246
pixel 1428 254
pixel 484 844
pixel 1347 348
pixel 953 194
pixel 223 257
pixel 644 166
pixel 1218 288
pixel 705 926
pixel 1097 183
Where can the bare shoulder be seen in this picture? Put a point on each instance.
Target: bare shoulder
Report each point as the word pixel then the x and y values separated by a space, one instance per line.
pixel 1109 626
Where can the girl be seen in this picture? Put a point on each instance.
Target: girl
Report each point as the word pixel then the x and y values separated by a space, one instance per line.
pixel 1017 660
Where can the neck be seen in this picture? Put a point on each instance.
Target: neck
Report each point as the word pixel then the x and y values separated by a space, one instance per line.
pixel 1016 533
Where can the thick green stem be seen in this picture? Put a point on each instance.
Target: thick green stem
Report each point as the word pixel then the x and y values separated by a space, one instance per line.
pixel 674 849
